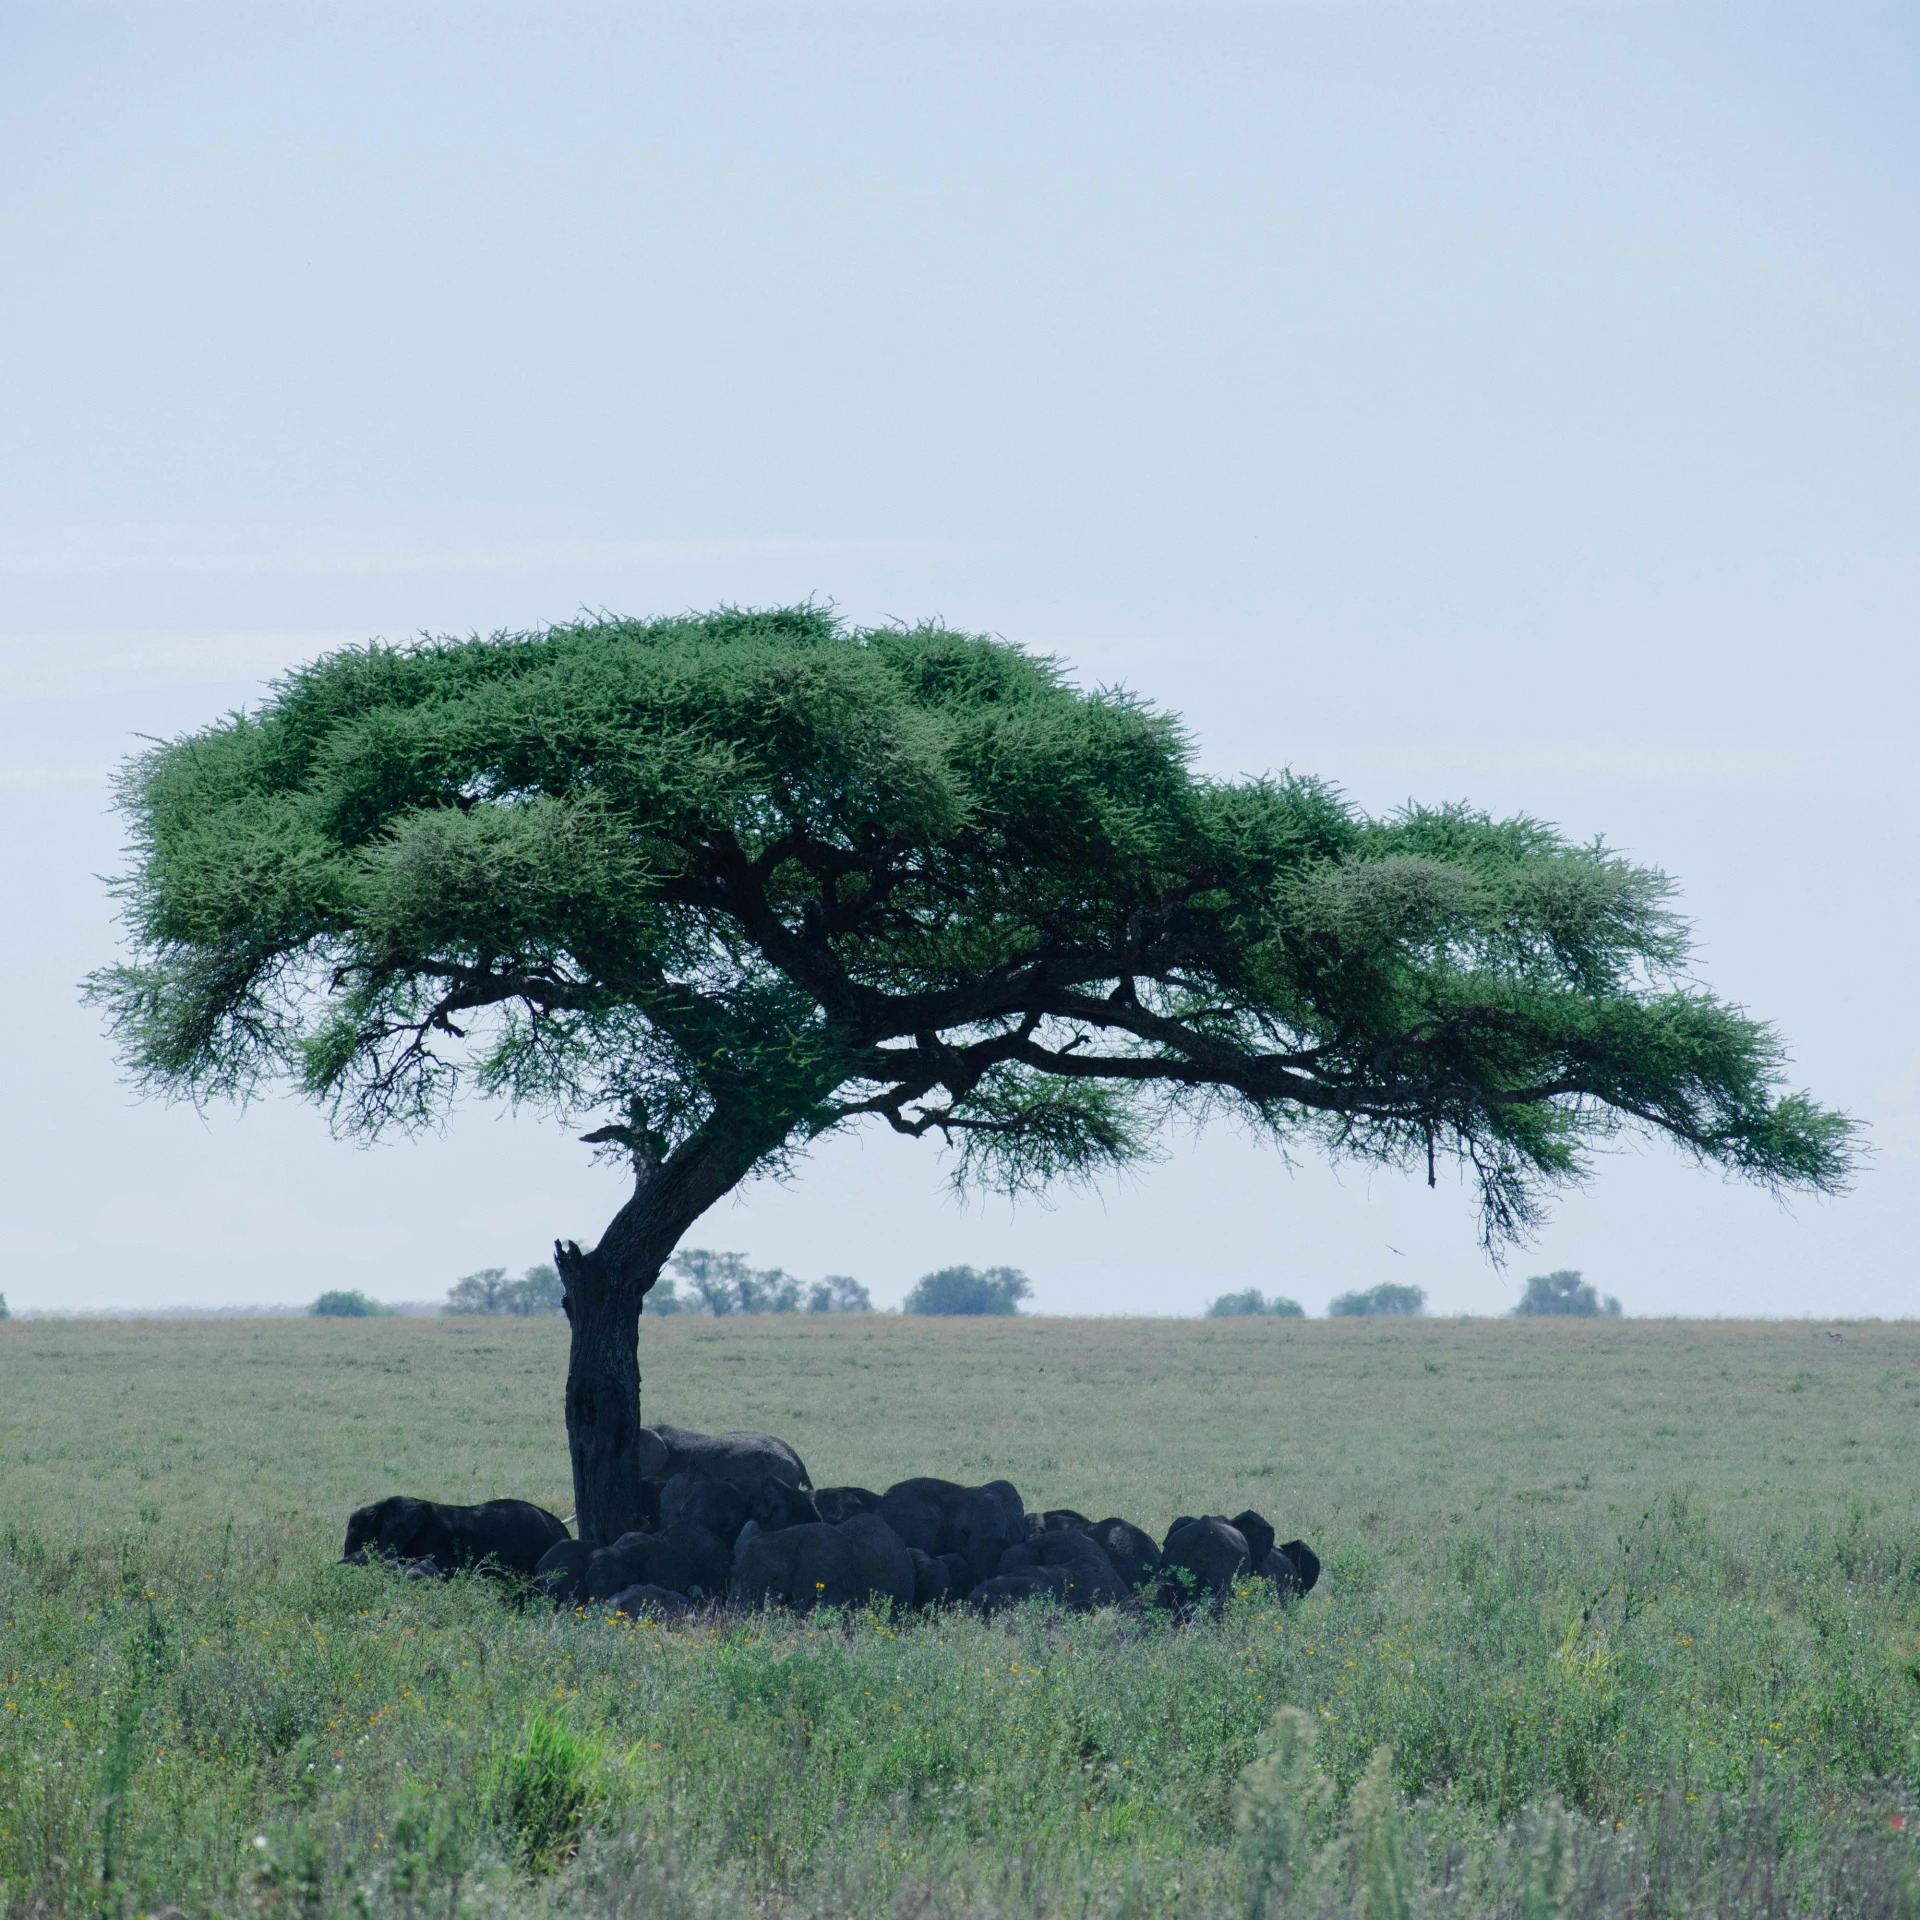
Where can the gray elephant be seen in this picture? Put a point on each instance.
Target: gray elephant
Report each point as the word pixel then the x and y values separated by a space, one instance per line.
pixel 725 1506
pixel 932 1579
pixel 919 1511
pixel 817 1565
pixel 1006 1590
pixel 508 1536
pixel 686 1558
pixel 1258 1534
pixel 975 1525
pixel 1087 1578
pixel 835 1504
pixel 561 1572
pixel 665 1451
pixel 1202 1557
pixel 1280 1573
pixel 1304 1561
pixel 1290 1576
pixel 1135 1557
pixel 1058 1520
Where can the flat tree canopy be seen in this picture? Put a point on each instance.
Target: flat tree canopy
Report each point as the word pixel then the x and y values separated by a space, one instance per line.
pixel 966 1290
pixel 1386 1301
pixel 1253 1303
pixel 722 884
pixel 1562 1293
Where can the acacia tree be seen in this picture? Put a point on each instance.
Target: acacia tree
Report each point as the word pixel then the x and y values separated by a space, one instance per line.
pixel 722 885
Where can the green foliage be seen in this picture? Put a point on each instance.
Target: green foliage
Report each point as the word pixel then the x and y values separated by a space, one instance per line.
pixel 1549 1874
pixel 1239 1306
pixel 545 1789
pixel 1483 1719
pixel 968 1290
pixel 347 1304
pixel 1378 1822
pixel 538 1290
pixel 745 878
pixel 6 1313
pixel 1387 1299
pixel 1564 1292
pixel 1283 1811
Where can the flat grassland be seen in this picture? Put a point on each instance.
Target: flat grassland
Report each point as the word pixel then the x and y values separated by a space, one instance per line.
pixel 1663 1576
pixel 1357 1429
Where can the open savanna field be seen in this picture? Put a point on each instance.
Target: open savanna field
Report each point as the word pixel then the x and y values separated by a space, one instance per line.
pixel 1617 1616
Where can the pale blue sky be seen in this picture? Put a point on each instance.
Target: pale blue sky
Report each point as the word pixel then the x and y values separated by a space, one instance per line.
pixel 1512 403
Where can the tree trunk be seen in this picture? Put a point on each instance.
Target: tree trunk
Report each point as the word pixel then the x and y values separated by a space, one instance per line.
pixel 603 1403
pixel 604 1292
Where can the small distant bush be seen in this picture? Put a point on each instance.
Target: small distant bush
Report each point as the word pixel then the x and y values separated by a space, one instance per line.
pixel 478 1292
pixel 1564 1292
pixel 6 1312
pixel 538 1290
pixel 839 1293
pixel 1382 1301
pixel 343 1304
pixel 968 1290
pixel 1236 1306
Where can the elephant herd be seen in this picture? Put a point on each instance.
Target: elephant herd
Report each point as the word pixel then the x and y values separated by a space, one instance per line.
pixel 734 1517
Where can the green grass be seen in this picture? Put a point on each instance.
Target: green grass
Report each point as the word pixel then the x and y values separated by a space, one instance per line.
pixel 1663 1577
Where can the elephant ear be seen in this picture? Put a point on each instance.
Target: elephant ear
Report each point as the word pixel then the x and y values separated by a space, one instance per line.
pixel 655 1455
pixel 1258 1533
pixel 415 1529
pixel 1306 1563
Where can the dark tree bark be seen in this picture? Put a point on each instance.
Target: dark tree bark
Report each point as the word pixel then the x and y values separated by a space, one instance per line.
pixel 603 1400
pixel 605 1290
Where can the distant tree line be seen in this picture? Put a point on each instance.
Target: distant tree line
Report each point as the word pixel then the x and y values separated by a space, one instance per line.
pixel 490 1291
pixel 722 1284
pixel 701 1281
pixel 1562 1292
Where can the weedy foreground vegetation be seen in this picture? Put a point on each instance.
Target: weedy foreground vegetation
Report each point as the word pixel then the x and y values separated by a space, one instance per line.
pixel 1618 1617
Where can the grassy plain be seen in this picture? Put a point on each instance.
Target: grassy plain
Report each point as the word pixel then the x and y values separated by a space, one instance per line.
pixel 1663 1576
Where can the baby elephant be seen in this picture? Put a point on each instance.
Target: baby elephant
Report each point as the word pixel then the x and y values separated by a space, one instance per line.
pixel 507 1536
